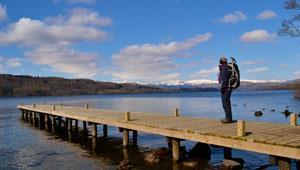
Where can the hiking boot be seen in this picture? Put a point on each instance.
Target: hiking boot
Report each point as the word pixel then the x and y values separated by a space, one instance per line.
pixel 225 121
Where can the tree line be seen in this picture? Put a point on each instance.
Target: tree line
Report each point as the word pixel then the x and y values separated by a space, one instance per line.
pixel 11 85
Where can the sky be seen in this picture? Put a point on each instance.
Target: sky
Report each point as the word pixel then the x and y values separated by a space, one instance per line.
pixel 146 41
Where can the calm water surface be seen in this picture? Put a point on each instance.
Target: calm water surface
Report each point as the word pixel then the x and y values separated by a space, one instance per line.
pixel 23 146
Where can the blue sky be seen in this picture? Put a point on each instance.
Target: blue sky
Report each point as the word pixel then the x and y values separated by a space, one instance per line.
pixel 145 41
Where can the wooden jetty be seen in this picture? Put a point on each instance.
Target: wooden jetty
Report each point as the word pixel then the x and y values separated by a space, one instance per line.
pixel 280 141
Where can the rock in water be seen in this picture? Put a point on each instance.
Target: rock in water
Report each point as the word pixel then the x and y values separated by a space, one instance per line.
pixel 286 113
pixel 192 163
pixel 151 159
pixel 272 110
pixel 161 152
pixel 124 165
pixel 156 156
pixel 258 113
pixel 201 150
pixel 232 165
pixel 196 163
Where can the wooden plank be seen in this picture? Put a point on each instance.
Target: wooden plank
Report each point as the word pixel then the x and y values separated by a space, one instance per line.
pixel 268 138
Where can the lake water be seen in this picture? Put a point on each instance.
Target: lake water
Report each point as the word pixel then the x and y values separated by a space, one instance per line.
pixel 23 146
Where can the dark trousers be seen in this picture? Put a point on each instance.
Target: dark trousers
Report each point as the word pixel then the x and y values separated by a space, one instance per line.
pixel 226 93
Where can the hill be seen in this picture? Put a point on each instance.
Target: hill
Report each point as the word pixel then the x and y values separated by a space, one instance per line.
pixel 15 85
pixel 12 85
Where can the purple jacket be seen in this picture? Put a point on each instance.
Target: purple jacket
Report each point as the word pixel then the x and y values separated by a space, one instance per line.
pixel 224 75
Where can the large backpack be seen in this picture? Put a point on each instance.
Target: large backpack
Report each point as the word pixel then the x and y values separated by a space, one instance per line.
pixel 234 80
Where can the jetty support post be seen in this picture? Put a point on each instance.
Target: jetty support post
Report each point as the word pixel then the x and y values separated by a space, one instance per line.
pixel 284 163
pixel 69 124
pixel 293 121
pixel 176 112
pixel 42 120
pixel 175 149
pixel 104 130
pixel 84 126
pixel 31 117
pixel 134 137
pixel 59 119
pixel 125 137
pixel 227 153
pixel 241 128
pixel 66 124
pixel 174 141
pixel 169 142
pixel 273 160
pixel 94 129
pixel 47 121
pixel 26 115
pixel 23 114
pixel 53 123
pixel 126 131
pixel 94 143
pixel 76 125
pixel 34 118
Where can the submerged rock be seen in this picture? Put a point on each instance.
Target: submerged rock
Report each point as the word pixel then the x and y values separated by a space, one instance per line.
pixel 161 152
pixel 196 163
pixel 191 163
pixel 258 113
pixel 272 110
pixel 124 165
pixel 286 113
pixel 232 165
pixel 156 156
pixel 152 159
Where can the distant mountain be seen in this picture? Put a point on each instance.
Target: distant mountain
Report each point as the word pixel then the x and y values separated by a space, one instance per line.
pixel 245 84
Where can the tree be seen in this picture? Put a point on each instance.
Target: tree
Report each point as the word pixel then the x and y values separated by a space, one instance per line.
pixel 291 26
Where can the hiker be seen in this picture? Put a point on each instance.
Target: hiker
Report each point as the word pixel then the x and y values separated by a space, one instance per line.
pixel 224 77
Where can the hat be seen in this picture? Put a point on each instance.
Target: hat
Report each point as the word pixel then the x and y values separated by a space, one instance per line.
pixel 223 60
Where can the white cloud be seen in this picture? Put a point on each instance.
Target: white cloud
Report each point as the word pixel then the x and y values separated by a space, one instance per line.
pixel 89 2
pixel 50 41
pixel 232 18
pixel 152 62
pixel 268 14
pixel 81 17
pixel 297 74
pixel 1 65
pixel 14 62
pixel 81 1
pixel 259 35
pixel 64 60
pixel 257 70
pixel 3 13
pixel 28 32
pixel 284 65
pixel 252 62
pixel 205 73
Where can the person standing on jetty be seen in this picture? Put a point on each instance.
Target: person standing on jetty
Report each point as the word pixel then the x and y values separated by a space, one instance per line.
pixel 224 77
